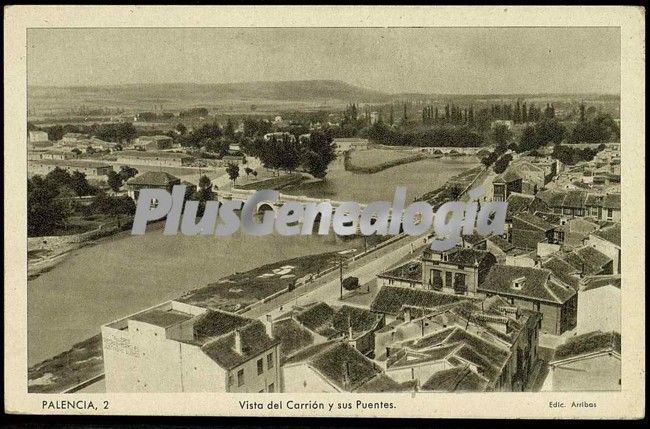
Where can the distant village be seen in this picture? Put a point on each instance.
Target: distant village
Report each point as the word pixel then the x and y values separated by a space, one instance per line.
pixel 535 308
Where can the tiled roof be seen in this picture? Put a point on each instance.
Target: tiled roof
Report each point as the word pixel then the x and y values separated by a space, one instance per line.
pixel 538 284
pixel 591 342
pixel 254 341
pixel 315 316
pixel 383 383
pixel 595 282
pixel 501 243
pixel 533 221
pixel 411 271
pixel 610 233
pixel 78 163
pixel 588 259
pixel 360 319
pixel 339 363
pixel 612 201
pixel 217 323
pixel 155 178
pixel 518 203
pixel 390 299
pixel 563 270
pixel 292 336
pixel 458 379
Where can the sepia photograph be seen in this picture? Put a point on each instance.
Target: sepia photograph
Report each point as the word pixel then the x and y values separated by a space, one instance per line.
pixel 396 210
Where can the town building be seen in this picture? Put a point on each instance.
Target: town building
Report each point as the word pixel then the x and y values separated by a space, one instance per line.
pixel 353 325
pixel 523 177
pixel 92 169
pixel 177 347
pixel 74 138
pixel 607 241
pixel 459 270
pixel 576 202
pixel 586 363
pixel 34 155
pixel 159 159
pixel 494 340
pixel 155 180
pixel 334 367
pixel 346 144
pixel 158 142
pixel 536 289
pixel 599 306
pixel 38 136
pixel 405 275
pixel 528 230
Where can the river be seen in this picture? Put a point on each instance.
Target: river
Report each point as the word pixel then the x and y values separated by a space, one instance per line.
pixel 123 274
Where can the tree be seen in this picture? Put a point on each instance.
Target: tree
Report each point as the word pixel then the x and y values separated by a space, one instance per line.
pixel 80 185
pixel 454 192
pixel 44 213
pixel 318 152
pixel 248 171
pixel 114 180
pixel 182 129
pixel 233 171
pixel 502 163
pixel 501 135
pixel 76 151
pixel 126 172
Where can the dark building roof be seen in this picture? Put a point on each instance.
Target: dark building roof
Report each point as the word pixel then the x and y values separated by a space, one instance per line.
pixel 329 322
pixel 518 203
pixel 535 284
pixel 411 272
pixel 592 342
pixel 217 323
pixel 460 256
pixel 612 201
pixel 588 260
pixel 458 379
pixel 161 318
pixel 339 363
pixel 156 155
pixel 501 243
pixel 154 178
pixel 74 163
pixel 254 341
pixel 595 282
pixel 563 270
pixel 534 221
pixel 611 233
pixel 292 335
pixel 391 300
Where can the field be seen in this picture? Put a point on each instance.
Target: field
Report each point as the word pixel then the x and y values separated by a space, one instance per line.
pixel 376 157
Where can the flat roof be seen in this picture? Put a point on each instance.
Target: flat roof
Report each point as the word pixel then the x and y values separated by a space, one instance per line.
pixel 162 318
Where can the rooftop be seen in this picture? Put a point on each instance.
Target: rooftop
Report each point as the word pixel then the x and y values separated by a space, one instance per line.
pixel 592 342
pixel 71 163
pixel 534 221
pixel 155 178
pixel 411 271
pixel 162 318
pixel 155 155
pixel 391 300
pixel 534 283
pixel 458 379
pixel 611 233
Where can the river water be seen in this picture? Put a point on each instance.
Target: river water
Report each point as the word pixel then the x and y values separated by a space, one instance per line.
pixel 124 274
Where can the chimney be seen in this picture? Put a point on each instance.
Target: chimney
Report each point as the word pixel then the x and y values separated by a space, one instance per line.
pixel 407 314
pixel 350 332
pixel 238 347
pixel 346 374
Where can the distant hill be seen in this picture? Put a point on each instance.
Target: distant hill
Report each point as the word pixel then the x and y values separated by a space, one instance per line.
pixel 304 90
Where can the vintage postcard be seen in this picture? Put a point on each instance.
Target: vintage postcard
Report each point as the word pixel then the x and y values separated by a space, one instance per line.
pixel 325 211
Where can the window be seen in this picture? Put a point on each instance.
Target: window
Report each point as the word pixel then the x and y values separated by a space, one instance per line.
pixel 240 377
pixel 610 213
pixel 271 388
pixel 260 366
pixel 230 380
pixel 269 360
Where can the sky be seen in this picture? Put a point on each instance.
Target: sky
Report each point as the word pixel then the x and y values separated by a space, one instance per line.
pixel 393 60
